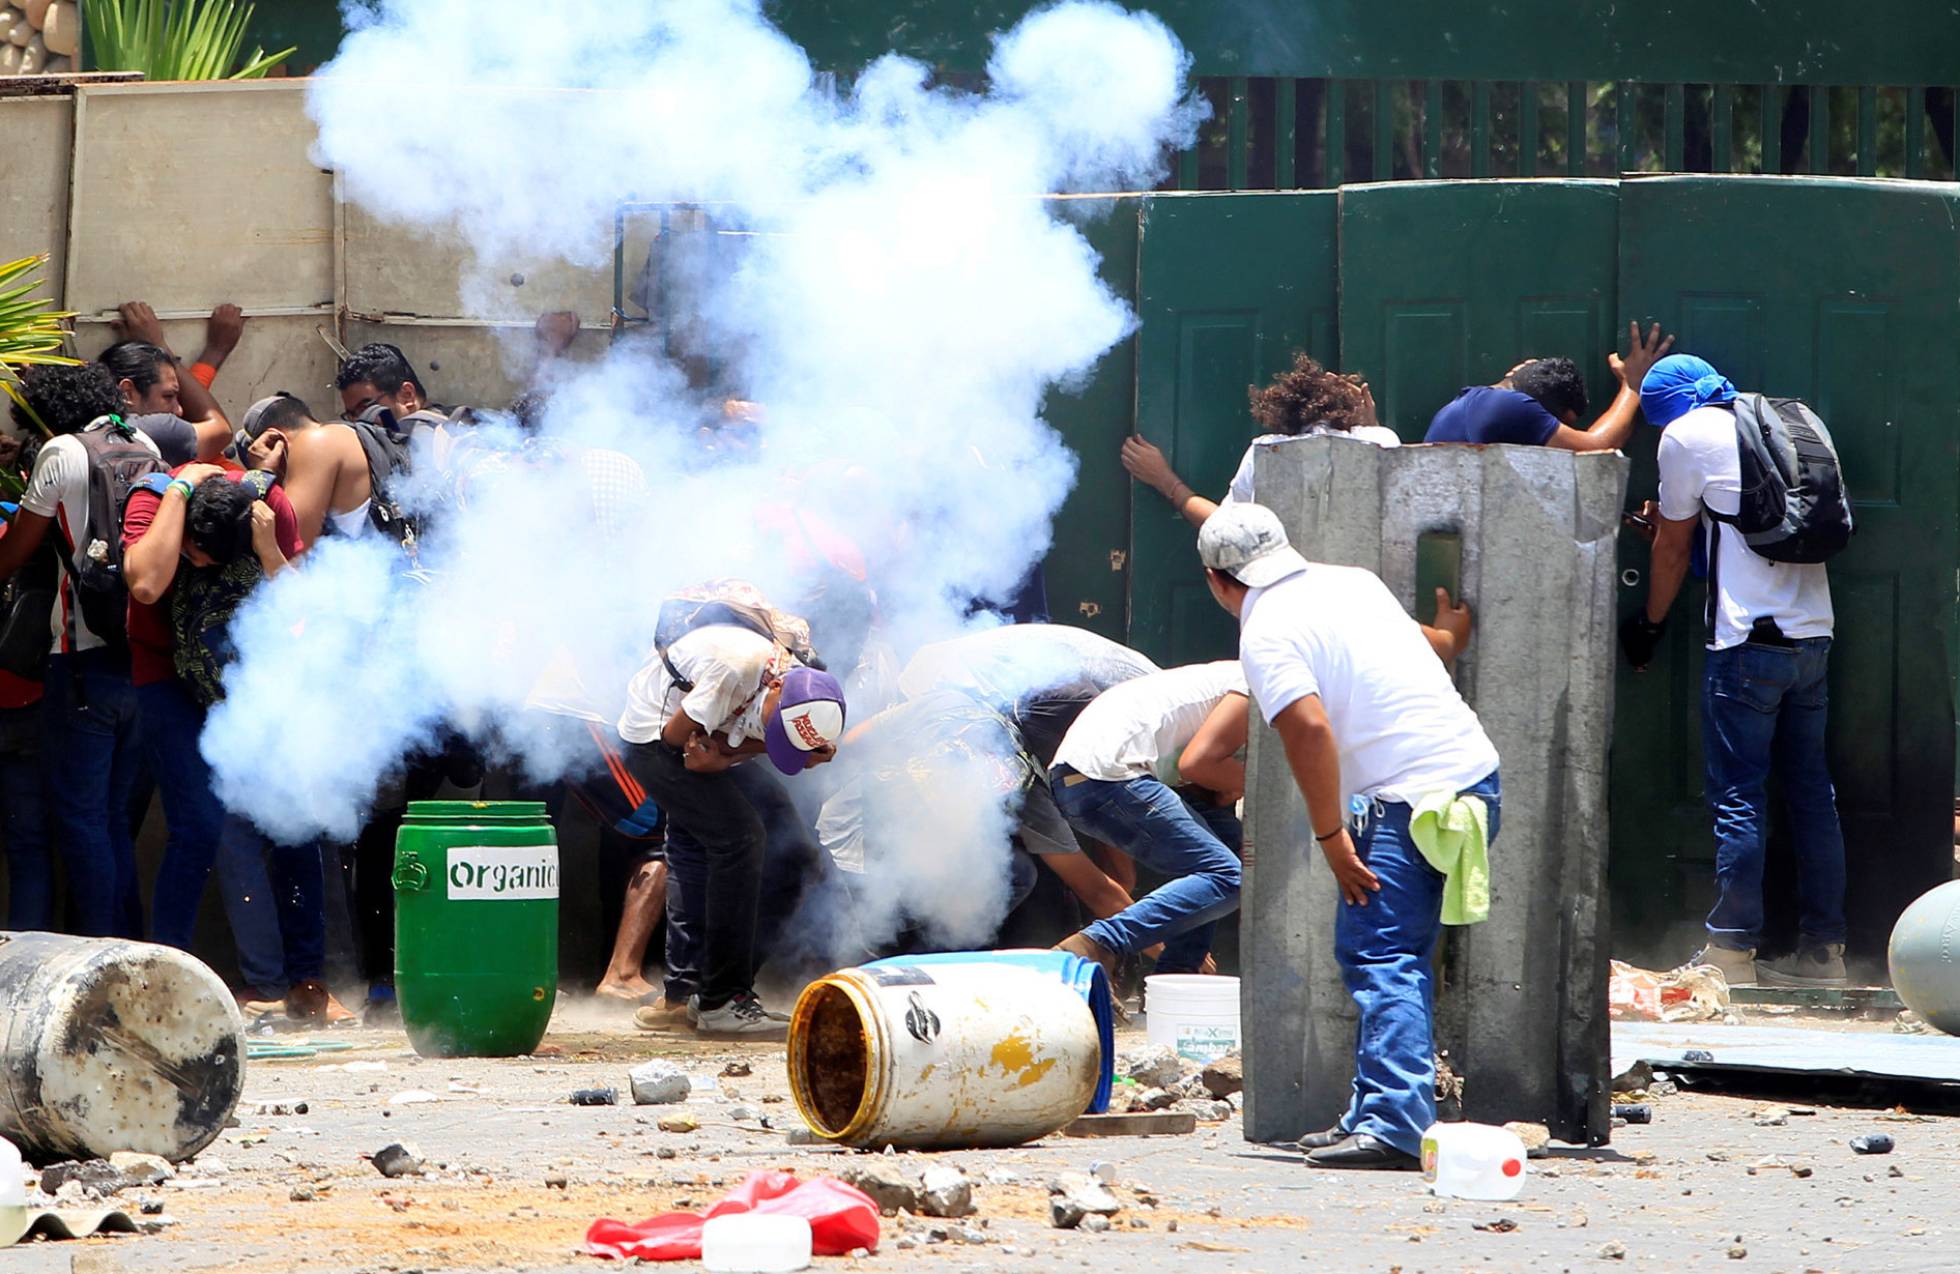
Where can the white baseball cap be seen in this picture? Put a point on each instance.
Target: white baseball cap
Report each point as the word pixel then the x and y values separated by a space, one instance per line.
pixel 1247 542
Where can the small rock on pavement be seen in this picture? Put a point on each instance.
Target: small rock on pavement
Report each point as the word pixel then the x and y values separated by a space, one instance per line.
pixel 1874 1143
pixel 679 1123
pixel 1613 1252
pixel 1224 1076
pixel 1154 1099
pixel 1155 1066
pixel 736 1070
pixel 555 1180
pixel 945 1192
pixel 141 1169
pixel 303 1194
pixel 1737 1252
pixel 1075 1195
pixel 1771 1117
pixel 595 1097
pixel 800 1137
pixel 1094 1223
pixel 96 1176
pixel 658 1083
pixel 1537 1138
pixel 397 1159
pixel 1211 1112
pixel 894 1191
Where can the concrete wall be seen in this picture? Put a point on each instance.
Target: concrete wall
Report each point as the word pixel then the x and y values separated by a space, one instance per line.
pixel 1521 1009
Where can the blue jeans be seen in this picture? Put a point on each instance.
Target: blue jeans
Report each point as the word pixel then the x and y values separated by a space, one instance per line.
pixel 90 710
pixel 24 819
pixel 1763 710
pixel 1387 954
pixel 1154 825
pixel 285 921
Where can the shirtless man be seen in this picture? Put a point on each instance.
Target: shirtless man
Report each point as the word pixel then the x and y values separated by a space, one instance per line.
pixel 321 464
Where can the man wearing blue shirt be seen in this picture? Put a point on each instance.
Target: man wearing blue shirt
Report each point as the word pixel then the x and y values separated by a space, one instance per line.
pixel 1539 402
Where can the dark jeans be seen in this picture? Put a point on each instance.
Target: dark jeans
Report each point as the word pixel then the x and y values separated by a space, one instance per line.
pixel 737 856
pixel 90 711
pixel 296 920
pixel 171 722
pixel 1763 711
pixel 24 819
pixel 1155 826
pixel 1387 954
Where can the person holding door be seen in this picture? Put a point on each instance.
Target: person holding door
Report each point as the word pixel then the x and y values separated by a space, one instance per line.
pixel 1539 402
pixel 1764 699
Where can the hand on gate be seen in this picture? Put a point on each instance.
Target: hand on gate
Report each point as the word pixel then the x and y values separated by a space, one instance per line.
pixel 1350 873
pixel 1146 463
pixel 1641 355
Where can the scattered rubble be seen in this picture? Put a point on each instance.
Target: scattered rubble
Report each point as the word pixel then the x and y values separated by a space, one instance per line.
pixel 1074 1196
pixel 1155 1066
pixel 142 1169
pixel 96 1178
pixel 945 1192
pixel 658 1083
pixel 397 1159
pixel 736 1070
pixel 1224 1076
pixel 892 1189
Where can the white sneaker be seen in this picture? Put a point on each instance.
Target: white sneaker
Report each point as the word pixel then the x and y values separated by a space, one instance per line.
pixel 1808 966
pixel 741 1018
pixel 1738 968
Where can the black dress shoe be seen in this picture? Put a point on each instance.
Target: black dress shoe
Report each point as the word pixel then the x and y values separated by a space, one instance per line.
pixel 1322 1140
pixel 1359 1150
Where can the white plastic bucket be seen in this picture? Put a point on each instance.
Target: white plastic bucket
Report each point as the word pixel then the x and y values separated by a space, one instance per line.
pixel 1198 1016
pixel 1473 1161
pixel 941 1056
pixel 755 1243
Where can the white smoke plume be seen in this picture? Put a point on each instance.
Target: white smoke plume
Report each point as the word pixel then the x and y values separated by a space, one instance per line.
pixel 901 302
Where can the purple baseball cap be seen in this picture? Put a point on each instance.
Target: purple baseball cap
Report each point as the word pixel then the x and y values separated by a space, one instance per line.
pixel 809 716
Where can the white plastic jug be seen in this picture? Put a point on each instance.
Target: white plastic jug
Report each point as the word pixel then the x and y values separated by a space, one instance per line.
pixel 1473 1161
pixel 752 1243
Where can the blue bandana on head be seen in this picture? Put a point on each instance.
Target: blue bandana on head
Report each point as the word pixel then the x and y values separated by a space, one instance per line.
pixel 1677 385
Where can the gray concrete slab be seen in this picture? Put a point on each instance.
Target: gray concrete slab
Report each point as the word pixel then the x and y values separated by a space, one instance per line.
pixel 1522 1008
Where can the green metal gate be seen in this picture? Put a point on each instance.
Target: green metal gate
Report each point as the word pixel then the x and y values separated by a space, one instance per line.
pixel 1228 287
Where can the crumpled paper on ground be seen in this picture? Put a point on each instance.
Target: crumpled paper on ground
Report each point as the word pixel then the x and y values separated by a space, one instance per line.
pixel 1692 993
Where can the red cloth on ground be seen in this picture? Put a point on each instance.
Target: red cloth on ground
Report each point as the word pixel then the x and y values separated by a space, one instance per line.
pixel 150 658
pixel 842 1218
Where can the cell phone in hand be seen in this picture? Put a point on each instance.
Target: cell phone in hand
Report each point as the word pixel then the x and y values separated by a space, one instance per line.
pixel 1634 519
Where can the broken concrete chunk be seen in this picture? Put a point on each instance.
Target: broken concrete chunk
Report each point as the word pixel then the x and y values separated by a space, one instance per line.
pixel 892 1189
pixel 658 1083
pixel 1223 1076
pixel 89 1176
pixel 1155 1066
pixel 1154 1099
pixel 1095 1224
pixel 736 1070
pixel 1771 1117
pixel 141 1169
pixel 397 1159
pixel 945 1192
pixel 1075 1195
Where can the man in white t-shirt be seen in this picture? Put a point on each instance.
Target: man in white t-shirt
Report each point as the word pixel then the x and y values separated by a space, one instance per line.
pixel 699 711
pixel 1371 722
pixel 1152 767
pixel 93 748
pixel 1764 701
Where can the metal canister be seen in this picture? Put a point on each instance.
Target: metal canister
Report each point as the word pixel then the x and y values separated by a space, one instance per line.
pixel 476 926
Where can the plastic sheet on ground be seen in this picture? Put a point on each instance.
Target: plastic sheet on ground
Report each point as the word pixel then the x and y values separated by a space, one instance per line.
pixel 842 1218
pixel 17 1225
pixel 1695 993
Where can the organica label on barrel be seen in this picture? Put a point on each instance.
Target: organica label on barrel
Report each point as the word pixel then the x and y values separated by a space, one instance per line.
pixel 503 872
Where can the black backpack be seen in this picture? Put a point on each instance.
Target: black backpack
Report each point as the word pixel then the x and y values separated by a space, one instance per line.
pixel 728 601
pixel 387 462
pixel 1793 506
pixel 118 458
pixel 26 602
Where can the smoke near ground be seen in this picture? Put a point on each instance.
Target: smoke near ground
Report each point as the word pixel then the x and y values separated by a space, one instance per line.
pixel 887 282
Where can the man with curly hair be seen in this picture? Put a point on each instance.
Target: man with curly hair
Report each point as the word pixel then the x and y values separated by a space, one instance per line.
pixel 1539 402
pixel 1305 401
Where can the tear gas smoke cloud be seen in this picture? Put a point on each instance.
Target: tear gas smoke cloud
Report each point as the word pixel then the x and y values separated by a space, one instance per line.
pixel 892 289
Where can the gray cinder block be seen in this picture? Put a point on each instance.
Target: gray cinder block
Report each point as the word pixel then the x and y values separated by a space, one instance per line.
pixel 1521 1006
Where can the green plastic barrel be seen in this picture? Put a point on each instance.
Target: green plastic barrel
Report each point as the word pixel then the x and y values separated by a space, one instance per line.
pixel 476 926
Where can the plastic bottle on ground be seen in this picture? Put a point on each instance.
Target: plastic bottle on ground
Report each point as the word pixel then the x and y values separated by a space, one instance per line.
pixel 1473 1161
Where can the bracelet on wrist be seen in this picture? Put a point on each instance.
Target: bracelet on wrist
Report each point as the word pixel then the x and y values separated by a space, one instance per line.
pixel 181 487
pixel 1331 835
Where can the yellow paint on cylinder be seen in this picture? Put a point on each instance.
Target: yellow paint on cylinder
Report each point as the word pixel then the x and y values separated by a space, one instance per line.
pixel 1033 1074
pixel 1013 1054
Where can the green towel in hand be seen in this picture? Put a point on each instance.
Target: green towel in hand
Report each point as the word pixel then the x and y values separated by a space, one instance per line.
pixel 1452 833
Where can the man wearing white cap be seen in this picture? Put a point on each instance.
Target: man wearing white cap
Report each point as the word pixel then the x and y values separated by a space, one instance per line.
pixel 1371 723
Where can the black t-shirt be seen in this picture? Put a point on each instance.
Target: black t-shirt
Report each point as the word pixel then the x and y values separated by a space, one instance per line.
pixel 1486 414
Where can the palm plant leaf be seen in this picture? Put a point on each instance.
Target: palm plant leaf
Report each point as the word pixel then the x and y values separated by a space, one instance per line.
pixel 176 39
pixel 30 333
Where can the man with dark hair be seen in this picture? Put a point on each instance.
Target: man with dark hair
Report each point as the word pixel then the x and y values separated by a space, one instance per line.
pixel 1540 400
pixel 379 375
pixel 322 465
pixel 170 403
pixel 89 705
pixel 194 546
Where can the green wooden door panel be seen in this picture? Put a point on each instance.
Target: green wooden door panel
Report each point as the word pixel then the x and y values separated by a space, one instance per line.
pixel 1447 284
pixel 1087 570
pixel 1848 296
pixel 1228 287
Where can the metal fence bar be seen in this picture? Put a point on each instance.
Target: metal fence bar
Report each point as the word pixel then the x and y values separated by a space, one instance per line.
pixel 1528 129
pixel 1432 128
pixel 1867 131
pixel 1772 126
pixel 1480 129
pixel 1384 156
pixel 1334 156
pixel 1721 127
pixel 1623 123
pixel 1674 146
pixel 1820 128
pixel 1237 125
pixel 1285 137
pixel 1915 132
pixel 1187 167
pixel 1575 128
